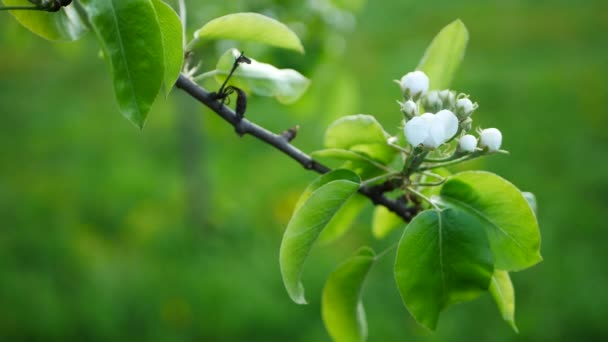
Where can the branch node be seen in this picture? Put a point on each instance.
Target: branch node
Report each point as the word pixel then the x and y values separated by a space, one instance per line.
pixel 309 165
pixel 239 128
pixel 290 134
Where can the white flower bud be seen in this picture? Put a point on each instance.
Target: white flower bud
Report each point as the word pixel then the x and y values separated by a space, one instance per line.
pixel 431 101
pixel 490 138
pixel 466 124
pixel 392 140
pixel 409 108
pixel 467 143
pixel 464 107
pixel 447 98
pixel 414 84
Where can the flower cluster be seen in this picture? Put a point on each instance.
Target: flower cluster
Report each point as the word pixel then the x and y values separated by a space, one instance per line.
pixel 446 115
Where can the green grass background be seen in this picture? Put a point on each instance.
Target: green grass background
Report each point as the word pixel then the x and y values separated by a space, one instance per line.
pixel 172 234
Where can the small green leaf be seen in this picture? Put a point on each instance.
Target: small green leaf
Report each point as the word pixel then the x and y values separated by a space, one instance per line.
pixel 443 258
pixel 502 291
pixel 171 30
pixel 130 36
pixel 252 27
pixel 65 24
pixel 341 307
pixel 286 85
pixel 360 133
pixel 442 58
pixel 384 222
pixel 316 207
pixel 343 219
pixel 508 218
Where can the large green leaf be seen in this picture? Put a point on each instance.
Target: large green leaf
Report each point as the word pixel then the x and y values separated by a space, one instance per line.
pixel 286 85
pixel 442 58
pixel 343 219
pixel 360 133
pixel 65 24
pixel 508 218
pixel 316 207
pixel 130 35
pixel 342 310
pixel 173 48
pixel 503 293
pixel 443 258
pixel 252 27
pixel 384 222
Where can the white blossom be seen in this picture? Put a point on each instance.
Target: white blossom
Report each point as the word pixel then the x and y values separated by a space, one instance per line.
pixel 490 138
pixel 431 130
pixel 467 143
pixel 414 84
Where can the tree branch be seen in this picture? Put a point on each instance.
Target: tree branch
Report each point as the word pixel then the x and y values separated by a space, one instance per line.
pixel 243 126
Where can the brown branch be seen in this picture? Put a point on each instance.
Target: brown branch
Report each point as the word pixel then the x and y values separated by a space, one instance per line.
pixel 243 126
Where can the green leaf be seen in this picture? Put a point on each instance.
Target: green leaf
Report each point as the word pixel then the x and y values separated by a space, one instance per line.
pixel 173 49
pixel 286 85
pixel 443 258
pixel 317 205
pixel 508 218
pixel 360 133
pixel 252 27
pixel 502 291
pixel 341 307
pixel 384 222
pixel 130 36
pixel 65 25
pixel 442 58
pixel 343 219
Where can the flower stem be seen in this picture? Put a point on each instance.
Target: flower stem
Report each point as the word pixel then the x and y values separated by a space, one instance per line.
pixel 426 199
pixel 375 179
pixel 205 75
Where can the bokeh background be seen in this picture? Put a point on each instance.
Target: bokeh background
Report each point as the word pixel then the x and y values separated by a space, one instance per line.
pixel 172 234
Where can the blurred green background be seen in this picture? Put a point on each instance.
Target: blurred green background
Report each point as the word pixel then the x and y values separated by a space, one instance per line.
pixel 172 234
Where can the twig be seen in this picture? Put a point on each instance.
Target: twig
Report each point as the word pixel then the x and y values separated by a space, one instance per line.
pixel 374 193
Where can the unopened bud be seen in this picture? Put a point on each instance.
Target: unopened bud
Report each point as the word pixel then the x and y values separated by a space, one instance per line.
pixel 467 143
pixel 414 84
pixel 466 124
pixel 409 109
pixel 431 102
pixel 448 98
pixel 490 138
pixel 465 107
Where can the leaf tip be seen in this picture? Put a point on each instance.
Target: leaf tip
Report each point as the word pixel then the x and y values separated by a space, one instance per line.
pixel 513 325
pixel 298 297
